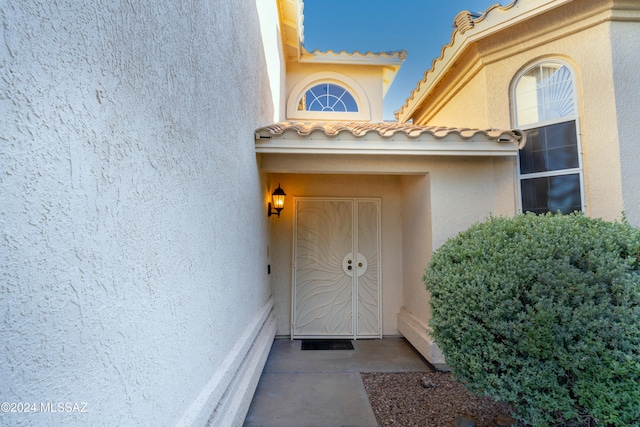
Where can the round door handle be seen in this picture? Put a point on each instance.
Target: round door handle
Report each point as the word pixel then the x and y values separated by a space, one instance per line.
pixel 359 264
pixel 349 268
pixel 349 262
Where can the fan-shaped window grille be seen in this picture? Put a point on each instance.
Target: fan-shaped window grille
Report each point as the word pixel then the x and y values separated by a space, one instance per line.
pixel 544 93
pixel 550 164
pixel 328 97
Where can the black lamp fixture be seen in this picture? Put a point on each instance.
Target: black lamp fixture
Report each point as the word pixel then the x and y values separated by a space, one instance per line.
pixel 277 198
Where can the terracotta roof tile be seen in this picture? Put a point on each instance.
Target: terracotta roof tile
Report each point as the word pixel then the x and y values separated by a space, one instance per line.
pixel 396 56
pixel 388 138
pixel 385 130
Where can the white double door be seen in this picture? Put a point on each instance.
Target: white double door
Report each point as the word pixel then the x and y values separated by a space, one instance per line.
pixel 336 272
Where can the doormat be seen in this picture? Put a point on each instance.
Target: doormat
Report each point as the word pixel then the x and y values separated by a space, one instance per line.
pixel 327 345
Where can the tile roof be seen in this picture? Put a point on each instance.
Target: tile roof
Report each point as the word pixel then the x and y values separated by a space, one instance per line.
pixel 384 130
pixel 385 138
pixel 391 57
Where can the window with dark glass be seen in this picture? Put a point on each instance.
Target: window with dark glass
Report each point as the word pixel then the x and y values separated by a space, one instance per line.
pixel 550 169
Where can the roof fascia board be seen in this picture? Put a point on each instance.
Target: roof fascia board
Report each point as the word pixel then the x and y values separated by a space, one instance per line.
pixel 374 146
pixel 291 26
pixel 395 152
pixel 514 14
pixel 591 19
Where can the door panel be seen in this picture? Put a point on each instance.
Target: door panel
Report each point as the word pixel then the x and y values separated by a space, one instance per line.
pixel 336 272
pixel 368 278
pixel 323 293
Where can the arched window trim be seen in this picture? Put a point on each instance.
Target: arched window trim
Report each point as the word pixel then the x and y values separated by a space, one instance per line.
pixel 300 89
pixel 549 122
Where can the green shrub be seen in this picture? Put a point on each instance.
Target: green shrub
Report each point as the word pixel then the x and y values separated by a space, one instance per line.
pixel 543 312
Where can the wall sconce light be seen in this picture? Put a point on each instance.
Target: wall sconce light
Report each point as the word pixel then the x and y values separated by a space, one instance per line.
pixel 277 198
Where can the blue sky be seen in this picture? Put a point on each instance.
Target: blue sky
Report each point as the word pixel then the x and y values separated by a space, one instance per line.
pixel 421 27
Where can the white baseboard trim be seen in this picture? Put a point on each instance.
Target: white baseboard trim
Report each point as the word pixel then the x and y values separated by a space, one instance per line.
pixel 225 399
pixel 414 330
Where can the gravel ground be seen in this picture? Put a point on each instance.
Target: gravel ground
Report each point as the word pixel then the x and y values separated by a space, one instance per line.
pixel 427 400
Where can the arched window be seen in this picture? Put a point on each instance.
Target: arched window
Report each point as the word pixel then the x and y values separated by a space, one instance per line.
pixel 328 97
pixel 550 165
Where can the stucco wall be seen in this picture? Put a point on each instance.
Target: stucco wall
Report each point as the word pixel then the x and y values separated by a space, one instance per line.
pixel 133 250
pixel 581 38
pixel 625 59
pixel 463 104
pixel 417 245
pixel 466 191
pixel 455 194
pixel 588 53
pixel 367 77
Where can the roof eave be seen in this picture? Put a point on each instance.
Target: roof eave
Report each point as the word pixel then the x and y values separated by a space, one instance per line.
pixel 291 27
pixel 387 147
pixel 385 59
pixel 385 139
pixel 389 62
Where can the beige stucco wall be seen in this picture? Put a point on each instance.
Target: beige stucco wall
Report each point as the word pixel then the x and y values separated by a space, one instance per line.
pixel 469 190
pixel 463 104
pixel 588 52
pixel 134 235
pixel 369 78
pixel 575 36
pixel 625 60
pixel 417 244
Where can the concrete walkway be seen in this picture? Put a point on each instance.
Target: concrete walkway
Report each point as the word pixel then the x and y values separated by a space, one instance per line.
pixel 323 387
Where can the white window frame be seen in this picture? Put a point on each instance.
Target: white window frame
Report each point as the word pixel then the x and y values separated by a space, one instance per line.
pixel 572 118
pixel 329 97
